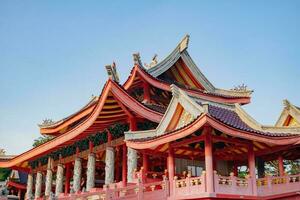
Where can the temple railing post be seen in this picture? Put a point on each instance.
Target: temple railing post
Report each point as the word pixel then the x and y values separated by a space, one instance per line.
pixel 215 180
pixel 140 193
pixel 234 188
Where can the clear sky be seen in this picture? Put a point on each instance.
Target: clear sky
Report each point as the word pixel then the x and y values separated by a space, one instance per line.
pixel 53 53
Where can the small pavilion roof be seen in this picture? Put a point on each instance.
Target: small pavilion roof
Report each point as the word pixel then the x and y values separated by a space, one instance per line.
pixel 289 113
pixel 228 118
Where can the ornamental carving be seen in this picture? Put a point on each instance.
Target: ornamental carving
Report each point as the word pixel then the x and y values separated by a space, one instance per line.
pixel 240 88
pixel 47 122
pixel 153 62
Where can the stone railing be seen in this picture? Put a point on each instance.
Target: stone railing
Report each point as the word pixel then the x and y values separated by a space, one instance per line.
pixel 149 176
pixel 156 190
pixel 188 187
pixel 232 185
pixel 278 185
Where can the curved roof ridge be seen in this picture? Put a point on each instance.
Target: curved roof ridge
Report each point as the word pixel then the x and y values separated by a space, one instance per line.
pixel 181 52
pixel 183 45
pixel 77 130
pixel 288 109
pixel 56 123
pixel 250 121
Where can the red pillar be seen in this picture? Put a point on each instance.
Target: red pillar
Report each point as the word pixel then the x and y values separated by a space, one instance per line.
pixel 68 177
pixel 251 165
pixel 171 164
pixel 132 124
pixel 280 165
pixel 146 92
pixel 145 162
pixel 235 169
pixel 209 161
pixel 124 165
pixel 118 163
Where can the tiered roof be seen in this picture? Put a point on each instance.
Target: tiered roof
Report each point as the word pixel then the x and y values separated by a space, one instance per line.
pixel 199 101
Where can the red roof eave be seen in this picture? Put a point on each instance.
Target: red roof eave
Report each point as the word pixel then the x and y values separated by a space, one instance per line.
pixel 165 86
pixel 110 86
pixel 200 122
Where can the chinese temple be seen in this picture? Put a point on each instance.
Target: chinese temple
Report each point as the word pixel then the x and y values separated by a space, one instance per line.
pixel 166 133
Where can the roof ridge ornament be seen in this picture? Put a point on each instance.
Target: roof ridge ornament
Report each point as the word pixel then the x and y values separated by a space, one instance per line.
pixel 184 43
pixel 240 88
pixel 112 72
pixel 137 59
pixel 153 62
pixel 286 103
pixel 47 122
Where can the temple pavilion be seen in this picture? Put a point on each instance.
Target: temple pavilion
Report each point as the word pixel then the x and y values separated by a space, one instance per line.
pixel 166 133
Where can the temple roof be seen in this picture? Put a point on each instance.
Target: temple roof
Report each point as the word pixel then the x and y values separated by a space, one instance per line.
pixel 181 53
pixel 112 97
pixel 290 115
pixel 224 117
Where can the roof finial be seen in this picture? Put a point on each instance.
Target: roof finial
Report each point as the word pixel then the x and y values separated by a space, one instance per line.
pixel 286 103
pixel 112 72
pixel 153 62
pixel 137 59
pixel 184 43
pixel 240 88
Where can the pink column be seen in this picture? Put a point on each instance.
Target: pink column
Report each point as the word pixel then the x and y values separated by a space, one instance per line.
pixel 251 165
pixel 146 92
pixel 209 161
pixel 124 165
pixel 145 162
pixel 171 164
pixel 280 165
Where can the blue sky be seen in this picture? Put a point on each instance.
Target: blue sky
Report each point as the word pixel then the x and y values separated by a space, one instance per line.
pixel 53 53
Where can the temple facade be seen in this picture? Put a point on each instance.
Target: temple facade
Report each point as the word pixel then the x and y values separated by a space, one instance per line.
pixel 166 133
